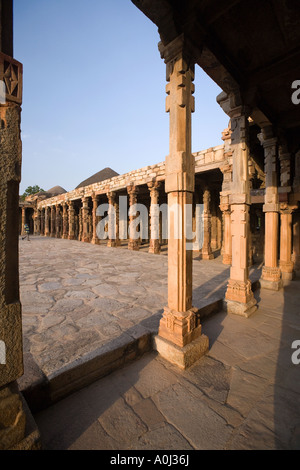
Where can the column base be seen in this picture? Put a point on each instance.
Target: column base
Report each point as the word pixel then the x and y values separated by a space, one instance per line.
pixel 95 241
pixel 181 357
pixel 227 259
pixel 207 256
pixel 181 328
pixel 18 430
pixel 287 277
pixel 271 278
pixel 239 308
pixel 71 237
pixel 287 271
pixel 133 245
pixel 154 247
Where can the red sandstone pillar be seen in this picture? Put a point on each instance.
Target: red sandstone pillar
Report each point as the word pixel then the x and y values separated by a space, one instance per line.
pixel 179 337
pixel 65 220
pixel 239 296
pixel 95 239
pixel 154 217
pixel 206 247
pixel 52 222
pixel 286 264
pixel 271 276
pixel 71 214
pixel 133 243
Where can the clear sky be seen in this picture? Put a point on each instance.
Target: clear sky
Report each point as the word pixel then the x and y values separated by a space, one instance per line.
pixel 94 91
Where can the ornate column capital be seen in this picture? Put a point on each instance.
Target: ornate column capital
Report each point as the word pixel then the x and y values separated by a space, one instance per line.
pixel 180 47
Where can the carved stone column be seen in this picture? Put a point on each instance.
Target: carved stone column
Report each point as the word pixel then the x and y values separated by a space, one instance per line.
pixel 285 165
pixel 227 245
pixel 80 224
pixel 286 263
pixel 23 220
pixel 71 215
pixel 12 415
pixel 296 240
pixel 271 276
pixel 154 217
pixel 296 180
pixel 239 296
pixel 112 220
pixel 47 222
pixel 206 247
pixel 37 222
pixel 52 222
pixel 85 220
pixel 133 243
pixel 179 337
pixel 95 239
pixel 65 221
pixel 57 221
pixel 42 221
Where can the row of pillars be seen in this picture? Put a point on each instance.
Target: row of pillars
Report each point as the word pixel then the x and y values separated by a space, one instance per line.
pixel 180 338
pixel 59 221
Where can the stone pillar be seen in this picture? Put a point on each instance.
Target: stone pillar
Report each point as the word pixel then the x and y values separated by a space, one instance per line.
pixel 12 416
pixel 85 220
pixel 133 243
pixel 227 246
pixel 179 337
pixel 57 221
pixel 65 221
pixel 95 239
pixel 224 200
pixel 42 221
pixel 285 165
pixel 271 277
pixel 80 224
pixel 47 222
pixel 52 222
pixel 23 220
pixel 296 180
pixel 71 215
pixel 37 222
pixel 206 247
pixel 113 240
pixel 286 263
pixel 154 217
pixel 239 296
pixel 296 241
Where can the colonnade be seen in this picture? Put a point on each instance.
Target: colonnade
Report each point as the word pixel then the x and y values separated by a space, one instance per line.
pixel 78 219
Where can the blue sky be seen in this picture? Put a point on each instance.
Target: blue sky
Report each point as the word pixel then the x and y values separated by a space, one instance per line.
pixel 94 91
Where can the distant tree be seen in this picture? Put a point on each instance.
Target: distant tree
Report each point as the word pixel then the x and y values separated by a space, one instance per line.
pixel 31 190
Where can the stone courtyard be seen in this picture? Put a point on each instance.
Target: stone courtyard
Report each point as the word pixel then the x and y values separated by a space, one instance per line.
pixel 91 301
pixel 82 302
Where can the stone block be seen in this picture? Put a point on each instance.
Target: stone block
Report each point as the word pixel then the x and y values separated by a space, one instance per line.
pixel 182 357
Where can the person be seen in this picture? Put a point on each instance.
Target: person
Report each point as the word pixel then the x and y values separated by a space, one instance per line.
pixel 26 230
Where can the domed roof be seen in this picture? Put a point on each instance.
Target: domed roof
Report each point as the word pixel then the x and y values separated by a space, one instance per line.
pixel 56 190
pixel 102 175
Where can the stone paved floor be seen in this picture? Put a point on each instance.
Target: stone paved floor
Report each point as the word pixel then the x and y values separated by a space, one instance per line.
pixel 244 394
pixel 77 297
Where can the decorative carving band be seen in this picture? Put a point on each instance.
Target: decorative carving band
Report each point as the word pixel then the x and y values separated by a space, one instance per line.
pixel 11 73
